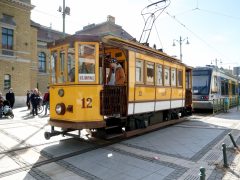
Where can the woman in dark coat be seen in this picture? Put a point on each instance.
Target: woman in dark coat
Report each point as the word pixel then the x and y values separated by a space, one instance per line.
pixel 10 97
pixel 28 99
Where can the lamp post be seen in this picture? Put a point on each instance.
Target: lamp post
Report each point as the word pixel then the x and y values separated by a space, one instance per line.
pixel 65 11
pixel 180 41
pixel 216 62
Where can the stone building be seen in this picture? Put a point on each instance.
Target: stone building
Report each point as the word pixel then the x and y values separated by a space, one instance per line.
pixel 105 28
pixel 23 49
pixel 18 48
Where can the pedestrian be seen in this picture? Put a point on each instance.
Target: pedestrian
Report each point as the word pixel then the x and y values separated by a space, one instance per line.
pixel 35 100
pixel 1 104
pixel 46 100
pixel 28 99
pixel 10 97
pixel 116 74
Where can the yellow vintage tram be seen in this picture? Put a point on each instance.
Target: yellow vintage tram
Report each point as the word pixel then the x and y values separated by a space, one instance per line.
pixel 156 92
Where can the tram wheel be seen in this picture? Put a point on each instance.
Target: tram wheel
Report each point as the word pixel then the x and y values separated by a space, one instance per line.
pixel 47 135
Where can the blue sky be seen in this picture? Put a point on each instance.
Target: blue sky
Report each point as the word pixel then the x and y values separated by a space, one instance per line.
pixel 212 27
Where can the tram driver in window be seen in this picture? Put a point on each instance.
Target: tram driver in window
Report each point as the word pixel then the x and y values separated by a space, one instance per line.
pixel 116 74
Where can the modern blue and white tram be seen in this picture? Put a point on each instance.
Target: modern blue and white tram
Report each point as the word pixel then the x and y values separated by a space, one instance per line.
pixel 211 83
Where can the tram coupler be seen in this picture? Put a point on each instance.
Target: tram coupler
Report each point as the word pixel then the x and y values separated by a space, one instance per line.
pixel 53 132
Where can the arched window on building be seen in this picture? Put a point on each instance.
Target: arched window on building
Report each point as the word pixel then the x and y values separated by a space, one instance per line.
pixel 7 81
pixel 42 62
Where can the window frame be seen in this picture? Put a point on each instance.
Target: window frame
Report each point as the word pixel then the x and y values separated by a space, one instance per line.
pixel 175 78
pixel 95 57
pixel 142 71
pixel 42 60
pixel 7 81
pixel 180 81
pixel 158 84
pixel 146 68
pixel 169 83
pixel 7 49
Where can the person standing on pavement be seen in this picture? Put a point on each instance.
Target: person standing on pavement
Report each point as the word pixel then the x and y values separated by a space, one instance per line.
pixel 46 100
pixel 10 97
pixel 35 99
pixel 1 104
pixel 28 99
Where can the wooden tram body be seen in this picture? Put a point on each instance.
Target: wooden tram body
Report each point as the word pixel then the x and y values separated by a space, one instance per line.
pixel 157 88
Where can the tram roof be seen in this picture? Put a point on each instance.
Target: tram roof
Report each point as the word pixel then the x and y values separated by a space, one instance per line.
pixel 117 42
pixel 216 69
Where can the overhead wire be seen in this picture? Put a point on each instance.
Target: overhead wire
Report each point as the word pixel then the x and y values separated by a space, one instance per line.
pixel 195 34
pixel 55 16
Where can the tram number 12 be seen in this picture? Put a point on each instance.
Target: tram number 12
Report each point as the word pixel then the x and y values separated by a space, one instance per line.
pixel 86 102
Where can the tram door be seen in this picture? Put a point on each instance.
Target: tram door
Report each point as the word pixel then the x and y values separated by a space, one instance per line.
pixel 113 97
pixel 188 95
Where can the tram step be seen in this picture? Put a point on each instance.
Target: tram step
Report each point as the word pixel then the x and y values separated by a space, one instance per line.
pixel 112 136
pixel 111 127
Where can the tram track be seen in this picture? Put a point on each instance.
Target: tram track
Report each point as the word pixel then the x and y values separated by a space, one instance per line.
pixel 60 160
pixel 56 159
pixel 30 146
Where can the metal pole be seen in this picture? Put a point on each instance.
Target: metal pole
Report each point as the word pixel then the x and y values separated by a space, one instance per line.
pixel 64 18
pixel 224 148
pixel 180 43
pixel 202 174
pixel 234 143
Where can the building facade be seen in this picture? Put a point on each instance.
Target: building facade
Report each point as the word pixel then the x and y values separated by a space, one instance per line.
pixel 18 48
pixel 23 50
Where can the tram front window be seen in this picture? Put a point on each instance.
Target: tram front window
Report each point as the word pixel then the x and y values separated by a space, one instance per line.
pixel 201 82
pixel 86 63
pixel 71 65
pixel 53 66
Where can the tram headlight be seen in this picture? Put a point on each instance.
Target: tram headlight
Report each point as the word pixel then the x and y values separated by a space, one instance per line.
pixel 60 109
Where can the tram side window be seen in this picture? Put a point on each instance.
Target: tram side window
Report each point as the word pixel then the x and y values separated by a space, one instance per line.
pixel 180 79
pixel 173 77
pixel 224 87
pixel 53 70
pixel 159 75
pixel 215 85
pixel 166 76
pixel 139 71
pixel 150 73
pixel 86 63
pixel 71 65
pixel 234 89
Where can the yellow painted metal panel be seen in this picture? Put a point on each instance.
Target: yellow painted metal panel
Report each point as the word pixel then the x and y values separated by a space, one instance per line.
pixel 144 93
pixel 163 93
pixel 77 96
pixel 131 77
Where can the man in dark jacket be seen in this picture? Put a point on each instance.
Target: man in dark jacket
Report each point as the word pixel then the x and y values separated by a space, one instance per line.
pixel 10 97
pixel 35 99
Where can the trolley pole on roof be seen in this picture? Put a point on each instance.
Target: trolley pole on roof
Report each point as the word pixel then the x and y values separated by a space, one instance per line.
pixel 65 11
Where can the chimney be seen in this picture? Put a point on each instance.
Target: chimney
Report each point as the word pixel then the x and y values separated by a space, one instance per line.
pixel 111 19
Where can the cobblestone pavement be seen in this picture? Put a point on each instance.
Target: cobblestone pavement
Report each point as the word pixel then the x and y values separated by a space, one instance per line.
pixel 174 152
